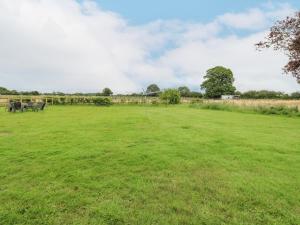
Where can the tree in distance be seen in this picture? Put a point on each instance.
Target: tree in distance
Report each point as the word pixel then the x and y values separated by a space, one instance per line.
pixel 218 81
pixel 153 89
pixel 107 92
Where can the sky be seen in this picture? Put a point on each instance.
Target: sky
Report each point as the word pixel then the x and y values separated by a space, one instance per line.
pixel 139 12
pixel 85 45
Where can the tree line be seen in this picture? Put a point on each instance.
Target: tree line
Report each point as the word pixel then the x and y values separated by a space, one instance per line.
pixel 5 91
pixel 184 91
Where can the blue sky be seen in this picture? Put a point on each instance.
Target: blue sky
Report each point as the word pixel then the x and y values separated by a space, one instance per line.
pixel 143 11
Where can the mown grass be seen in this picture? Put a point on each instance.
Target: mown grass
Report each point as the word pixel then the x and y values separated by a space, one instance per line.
pixel 148 165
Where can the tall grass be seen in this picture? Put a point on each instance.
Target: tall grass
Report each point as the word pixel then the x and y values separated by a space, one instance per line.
pixel 268 110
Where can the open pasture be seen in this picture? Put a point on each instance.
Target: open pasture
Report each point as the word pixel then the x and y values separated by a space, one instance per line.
pixel 148 165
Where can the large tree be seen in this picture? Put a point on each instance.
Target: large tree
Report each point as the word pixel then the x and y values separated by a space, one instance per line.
pixel 285 36
pixel 218 81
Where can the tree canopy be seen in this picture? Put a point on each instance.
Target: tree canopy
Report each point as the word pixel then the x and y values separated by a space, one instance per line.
pixel 218 81
pixel 153 89
pixel 107 92
pixel 285 36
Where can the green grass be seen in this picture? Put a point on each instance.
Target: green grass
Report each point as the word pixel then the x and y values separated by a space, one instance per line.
pixel 148 165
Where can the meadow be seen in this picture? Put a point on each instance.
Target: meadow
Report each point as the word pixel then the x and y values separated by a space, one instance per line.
pixel 148 165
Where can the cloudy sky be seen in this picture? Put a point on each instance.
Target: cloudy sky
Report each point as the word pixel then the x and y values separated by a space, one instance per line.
pixel 84 46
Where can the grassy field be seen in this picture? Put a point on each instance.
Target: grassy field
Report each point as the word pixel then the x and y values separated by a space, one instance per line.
pixel 148 165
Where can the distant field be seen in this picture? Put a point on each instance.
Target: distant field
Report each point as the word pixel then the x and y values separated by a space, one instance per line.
pixel 148 165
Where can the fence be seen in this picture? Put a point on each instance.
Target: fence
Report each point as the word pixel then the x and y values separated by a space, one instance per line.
pixel 70 99
pixel 61 100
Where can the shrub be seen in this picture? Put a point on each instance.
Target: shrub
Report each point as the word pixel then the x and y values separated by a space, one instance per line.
pixel 170 96
pixel 102 101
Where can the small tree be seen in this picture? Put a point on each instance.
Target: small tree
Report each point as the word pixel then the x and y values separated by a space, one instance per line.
pixel 285 36
pixel 218 81
pixel 184 91
pixel 153 89
pixel 107 92
pixel 170 96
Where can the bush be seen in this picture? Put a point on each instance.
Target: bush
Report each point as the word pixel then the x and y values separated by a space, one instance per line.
pixel 102 101
pixel 170 96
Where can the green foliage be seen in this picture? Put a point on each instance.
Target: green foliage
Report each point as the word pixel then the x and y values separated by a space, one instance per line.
pixel 170 96
pixel 218 81
pixel 33 93
pixel 107 92
pixel 153 90
pixel 102 101
pixel 195 94
pixel 264 94
pixel 184 91
pixel 295 95
pixel 4 91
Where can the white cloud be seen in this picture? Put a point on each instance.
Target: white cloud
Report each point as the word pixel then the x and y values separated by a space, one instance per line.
pixel 62 45
pixel 256 18
pixel 253 19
